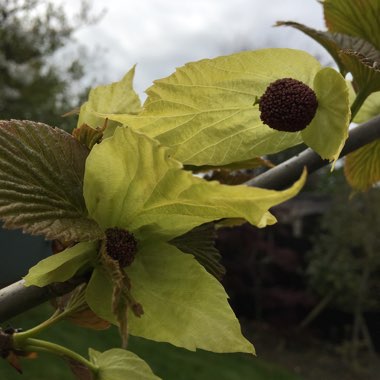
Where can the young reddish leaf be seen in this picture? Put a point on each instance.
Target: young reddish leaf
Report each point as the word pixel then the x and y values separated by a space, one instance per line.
pixel 41 180
pixel 87 135
pixel 80 371
pixel 88 319
pixel 79 311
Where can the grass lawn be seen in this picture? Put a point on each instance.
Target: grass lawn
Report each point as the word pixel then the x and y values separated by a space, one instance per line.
pixel 168 362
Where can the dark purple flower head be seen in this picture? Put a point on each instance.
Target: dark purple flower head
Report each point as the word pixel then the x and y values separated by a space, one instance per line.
pixel 288 105
pixel 121 245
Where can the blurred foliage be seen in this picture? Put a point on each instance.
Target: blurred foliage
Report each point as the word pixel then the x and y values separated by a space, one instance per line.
pixel 169 362
pixel 32 86
pixel 345 257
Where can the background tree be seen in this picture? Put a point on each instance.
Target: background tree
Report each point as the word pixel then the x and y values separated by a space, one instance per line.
pixel 32 85
pixel 344 262
pixel 35 86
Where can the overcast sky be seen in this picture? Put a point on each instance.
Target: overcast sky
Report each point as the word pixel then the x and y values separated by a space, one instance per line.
pixel 160 35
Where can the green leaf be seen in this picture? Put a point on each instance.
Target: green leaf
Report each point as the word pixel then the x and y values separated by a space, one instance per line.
pixel 62 266
pixel 356 18
pixel 118 364
pixel 41 180
pixel 116 98
pixel 362 167
pixel 200 242
pixel 325 133
pixel 370 109
pixel 132 183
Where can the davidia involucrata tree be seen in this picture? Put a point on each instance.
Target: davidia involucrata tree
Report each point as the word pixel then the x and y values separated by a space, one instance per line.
pixel 120 196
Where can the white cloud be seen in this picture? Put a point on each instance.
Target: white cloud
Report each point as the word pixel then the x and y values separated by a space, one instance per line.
pixel 160 35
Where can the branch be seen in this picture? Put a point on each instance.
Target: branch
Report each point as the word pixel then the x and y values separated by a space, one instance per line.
pixel 289 171
pixel 17 298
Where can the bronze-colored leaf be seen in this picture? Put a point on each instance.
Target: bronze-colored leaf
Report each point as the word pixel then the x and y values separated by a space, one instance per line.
pixel 351 53
pixel 41 180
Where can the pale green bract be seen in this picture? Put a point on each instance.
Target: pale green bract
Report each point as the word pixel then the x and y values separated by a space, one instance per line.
pixel 118 98
pixel 61 267
pixel 131 182
pixel 118 364
pixel 207 113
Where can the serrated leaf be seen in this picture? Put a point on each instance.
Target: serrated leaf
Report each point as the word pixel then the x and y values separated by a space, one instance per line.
pixel 362 167
pixel 118 364
pixel 41 180
pixel 365 68
pixel 62 266
pixel 200 242
pixel 115 98
pixel 131 182
pixel 355 18
pixel 351 53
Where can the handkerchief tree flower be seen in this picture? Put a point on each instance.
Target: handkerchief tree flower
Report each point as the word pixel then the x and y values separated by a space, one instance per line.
pixel 214 112
pixel 119 195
